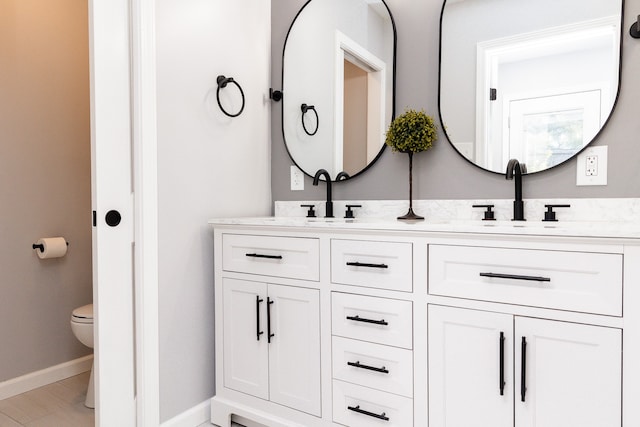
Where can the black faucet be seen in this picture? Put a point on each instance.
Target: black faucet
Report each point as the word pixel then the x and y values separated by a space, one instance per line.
pixel 329 203
pixel 342 176
pixel 514 168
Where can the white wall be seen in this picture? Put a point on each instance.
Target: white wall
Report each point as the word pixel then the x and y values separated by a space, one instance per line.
pixel 209 165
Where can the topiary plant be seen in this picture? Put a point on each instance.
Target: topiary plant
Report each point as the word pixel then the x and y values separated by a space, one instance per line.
pixel 411 132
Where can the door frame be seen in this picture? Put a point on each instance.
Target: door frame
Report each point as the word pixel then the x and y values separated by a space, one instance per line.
pixel 145 173
pixel 139 17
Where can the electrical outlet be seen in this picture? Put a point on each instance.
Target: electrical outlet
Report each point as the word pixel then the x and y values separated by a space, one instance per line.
pixel 297 179
pixel 592 166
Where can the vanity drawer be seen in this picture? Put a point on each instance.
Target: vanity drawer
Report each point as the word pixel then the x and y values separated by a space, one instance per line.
pixel 373 365
pixel 576 281
pixel 291 257
pixel 357 406
pixel 384 265
pixel 380 320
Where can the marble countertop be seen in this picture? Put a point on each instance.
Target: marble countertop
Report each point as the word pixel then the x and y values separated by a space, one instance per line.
pixel 604 229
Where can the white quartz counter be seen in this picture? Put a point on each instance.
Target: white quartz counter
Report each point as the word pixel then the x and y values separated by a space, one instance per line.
pixel 604 229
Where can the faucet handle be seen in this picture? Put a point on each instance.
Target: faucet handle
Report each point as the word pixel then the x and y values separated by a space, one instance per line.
pixel 489 214
pixel 550 215
pixel 311 213
pixel 349 212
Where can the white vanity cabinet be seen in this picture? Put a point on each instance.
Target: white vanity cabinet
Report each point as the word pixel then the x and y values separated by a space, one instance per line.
pixel 271 342
pixel 372 358
pixel 489 369
pixel 267 325
pixel 386 324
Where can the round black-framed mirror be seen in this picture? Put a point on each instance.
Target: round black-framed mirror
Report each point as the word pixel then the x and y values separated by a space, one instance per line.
pixel 338 77
pixel 519 82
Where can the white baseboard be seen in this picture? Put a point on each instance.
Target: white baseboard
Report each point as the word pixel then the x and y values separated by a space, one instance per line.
pixel 193 417
pixel 24 383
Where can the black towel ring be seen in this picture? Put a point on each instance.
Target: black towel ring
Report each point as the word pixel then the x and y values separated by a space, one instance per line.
pixel 222 83
pixel 305 108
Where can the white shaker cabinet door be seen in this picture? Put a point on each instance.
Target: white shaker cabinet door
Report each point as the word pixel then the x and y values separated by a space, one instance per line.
pixel 246 358
pixel 294 350
pixel 572 374
pixel 470 368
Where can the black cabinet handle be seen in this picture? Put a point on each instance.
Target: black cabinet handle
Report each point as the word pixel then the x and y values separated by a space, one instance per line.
pixel 516 277
pixel 258 331
pixel 370 368
pixel 264 256
pixel 502 382
pixel 364 320
pixel 269 334
pixel 365 264
pixel 371 414
pixel 523 369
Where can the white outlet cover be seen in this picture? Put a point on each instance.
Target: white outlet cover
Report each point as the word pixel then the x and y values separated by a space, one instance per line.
pixel 592 172
pixel 297 179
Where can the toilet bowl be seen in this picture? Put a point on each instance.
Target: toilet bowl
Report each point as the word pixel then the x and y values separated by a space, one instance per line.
pixel 82 327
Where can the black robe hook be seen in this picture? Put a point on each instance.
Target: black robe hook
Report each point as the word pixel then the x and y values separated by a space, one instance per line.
pixel 635 29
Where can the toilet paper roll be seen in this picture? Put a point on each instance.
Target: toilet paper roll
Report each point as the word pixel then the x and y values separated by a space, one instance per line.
pixel 54 247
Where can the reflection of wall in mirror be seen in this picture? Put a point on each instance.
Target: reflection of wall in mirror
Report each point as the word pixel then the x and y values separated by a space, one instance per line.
pixel 495 19
pixel 545 76
pixel 309 71
pixel 355 118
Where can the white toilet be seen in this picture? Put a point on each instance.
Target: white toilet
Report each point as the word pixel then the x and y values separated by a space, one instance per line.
pixel 82 327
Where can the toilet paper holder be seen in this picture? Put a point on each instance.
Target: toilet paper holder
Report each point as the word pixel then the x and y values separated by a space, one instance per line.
pixel 41 246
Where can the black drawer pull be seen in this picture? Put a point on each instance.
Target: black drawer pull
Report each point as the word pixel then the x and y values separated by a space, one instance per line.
pixel 516 277
pixel 502 382
pixel 362 319
pixel 264 256
pixel 366 264
pixel 258 331
pixel 523 369
pixel 370 368
pixel 371 414
pixel 269 333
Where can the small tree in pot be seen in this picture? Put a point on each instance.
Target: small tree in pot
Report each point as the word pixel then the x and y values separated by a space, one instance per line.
pixel 411 132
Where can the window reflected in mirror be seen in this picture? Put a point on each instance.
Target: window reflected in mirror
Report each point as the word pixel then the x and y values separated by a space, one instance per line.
pixel 524 83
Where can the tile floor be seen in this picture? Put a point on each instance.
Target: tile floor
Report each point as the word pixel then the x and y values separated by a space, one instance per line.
pixel 57 404
pixel 60 404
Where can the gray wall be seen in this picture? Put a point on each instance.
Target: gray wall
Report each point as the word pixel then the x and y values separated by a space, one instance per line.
pixel 441 173
pixel 45 180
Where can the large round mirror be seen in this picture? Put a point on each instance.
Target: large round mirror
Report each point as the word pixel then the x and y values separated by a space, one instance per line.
pixel 338 76
pixel 530 80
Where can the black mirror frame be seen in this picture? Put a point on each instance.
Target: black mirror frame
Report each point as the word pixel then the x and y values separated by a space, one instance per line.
pixel 393 101
pixel 595 137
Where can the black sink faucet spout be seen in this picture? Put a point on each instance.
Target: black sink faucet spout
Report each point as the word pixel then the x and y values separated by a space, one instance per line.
pixel 329 203
pixel 514 169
